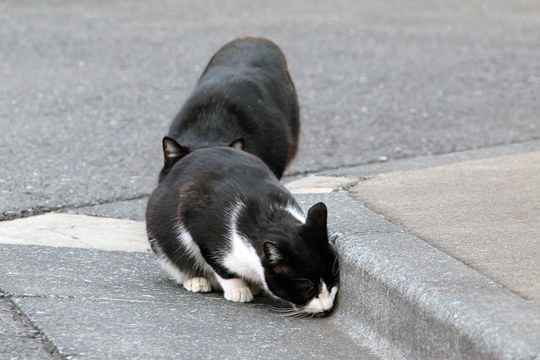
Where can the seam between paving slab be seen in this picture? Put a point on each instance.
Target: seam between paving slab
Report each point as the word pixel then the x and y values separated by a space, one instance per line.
pixel 47 344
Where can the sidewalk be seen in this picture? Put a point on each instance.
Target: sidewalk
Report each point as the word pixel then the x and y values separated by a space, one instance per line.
pixel 440 260
pixel 485 213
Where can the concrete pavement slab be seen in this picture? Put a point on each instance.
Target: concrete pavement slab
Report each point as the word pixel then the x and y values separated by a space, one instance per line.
pixel 70 272
pixel 187 329
pixel 69 230
pixel 95 304
pixel 483 212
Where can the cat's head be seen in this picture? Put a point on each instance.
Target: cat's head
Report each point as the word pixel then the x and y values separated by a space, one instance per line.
pixel 173 152
pixel 303 268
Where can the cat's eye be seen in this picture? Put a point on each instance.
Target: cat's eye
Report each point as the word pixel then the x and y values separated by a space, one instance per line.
pixel 310 293
pixel 306 287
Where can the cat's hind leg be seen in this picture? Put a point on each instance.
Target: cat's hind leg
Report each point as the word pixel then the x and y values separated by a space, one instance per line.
pixel 191 283
pixel 235 289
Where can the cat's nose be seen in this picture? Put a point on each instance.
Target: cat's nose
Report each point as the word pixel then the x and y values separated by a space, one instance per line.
pixel 323 313
pixel 328 312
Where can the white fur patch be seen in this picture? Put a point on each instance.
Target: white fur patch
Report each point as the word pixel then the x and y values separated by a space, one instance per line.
pixel 196 284
pixel 243 259
pixel 192 248
pixel 171 269
pixel 273 255
pixel 295 211
pixel 165 263
pixel 323 302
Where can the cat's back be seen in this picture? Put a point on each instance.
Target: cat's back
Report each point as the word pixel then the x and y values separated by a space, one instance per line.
pixel 244 92
pixel 207 179
pixel 221 169
pixel 252 66
pixel 248 51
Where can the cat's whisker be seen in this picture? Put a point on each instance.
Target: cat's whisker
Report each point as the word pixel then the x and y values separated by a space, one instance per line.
pixel 310 292
pixel 304 279
pixel 335 267
pixel 280 309
pixel 296 314
pixel 288 312
pixel 333 237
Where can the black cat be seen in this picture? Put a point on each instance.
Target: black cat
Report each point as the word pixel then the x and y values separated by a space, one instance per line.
pixel 221 219
pixel 244 92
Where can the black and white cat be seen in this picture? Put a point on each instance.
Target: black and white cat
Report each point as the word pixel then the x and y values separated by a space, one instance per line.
pixel 244 92
pixel 221 220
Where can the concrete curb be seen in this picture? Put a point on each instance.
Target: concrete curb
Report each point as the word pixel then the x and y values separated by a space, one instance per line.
pixel 413 301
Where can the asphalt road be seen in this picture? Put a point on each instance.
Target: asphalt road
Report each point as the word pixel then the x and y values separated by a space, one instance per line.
pixel 88 88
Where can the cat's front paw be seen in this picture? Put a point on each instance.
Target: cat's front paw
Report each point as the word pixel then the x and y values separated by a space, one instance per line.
pixel 198 284
pixel 239 294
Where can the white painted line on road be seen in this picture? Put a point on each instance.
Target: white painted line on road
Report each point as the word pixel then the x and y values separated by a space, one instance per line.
pixel 319 184
pixel 79 231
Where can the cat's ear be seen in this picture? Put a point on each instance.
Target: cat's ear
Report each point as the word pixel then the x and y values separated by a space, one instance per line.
pixel 239 144
pixel 275 258
pixel 317 216
pixel 272 253
pixel 172 151
pixel 315 229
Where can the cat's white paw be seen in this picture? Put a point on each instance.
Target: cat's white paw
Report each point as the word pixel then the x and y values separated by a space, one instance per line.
pixel 235 289
pixel 238 294
pixel 198 284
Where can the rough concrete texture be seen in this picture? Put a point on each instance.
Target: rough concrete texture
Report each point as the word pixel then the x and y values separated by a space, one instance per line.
pixel 483 212
pixel 69 230
pixel 19 339
pixel 116 305
pixel 413 301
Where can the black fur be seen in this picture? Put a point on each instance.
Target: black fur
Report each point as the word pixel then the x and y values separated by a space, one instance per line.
pixel 205 184
pixel 245 92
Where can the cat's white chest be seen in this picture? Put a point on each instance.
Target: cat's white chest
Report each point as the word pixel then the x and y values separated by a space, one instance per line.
pixel 242 258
